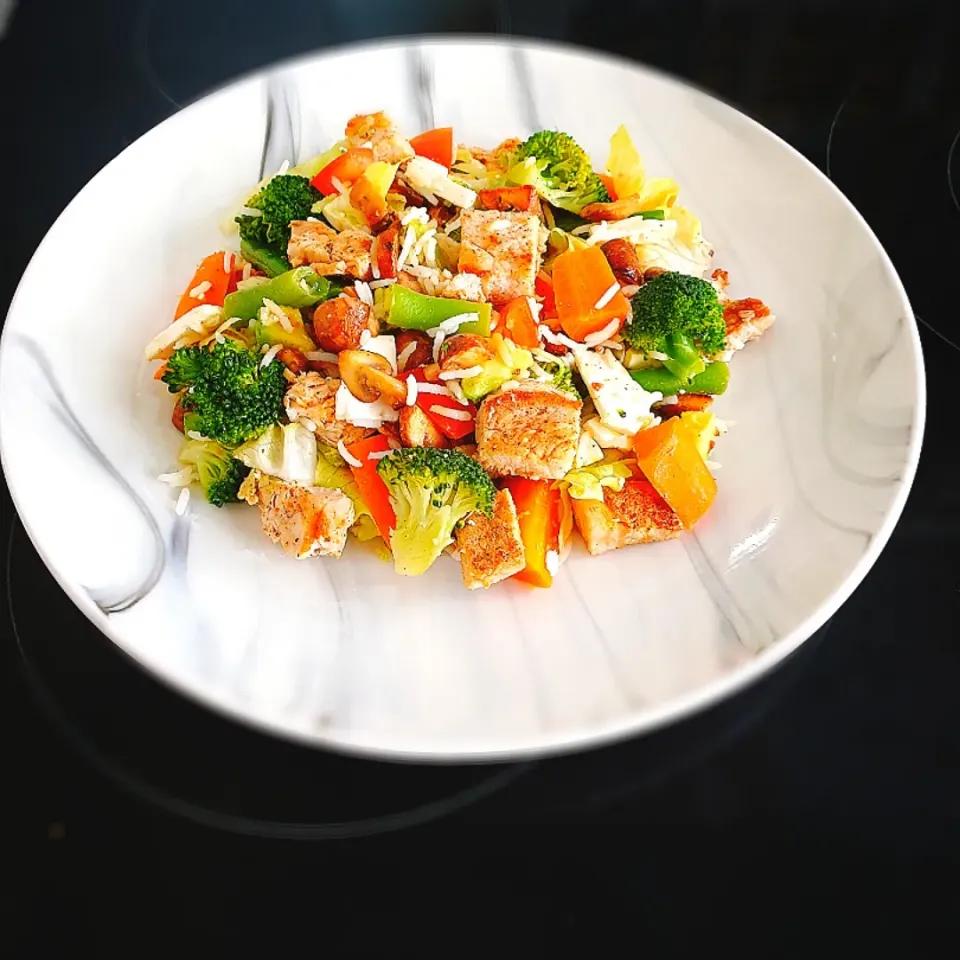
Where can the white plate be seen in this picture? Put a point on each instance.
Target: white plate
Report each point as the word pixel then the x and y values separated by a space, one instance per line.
pixel 828 408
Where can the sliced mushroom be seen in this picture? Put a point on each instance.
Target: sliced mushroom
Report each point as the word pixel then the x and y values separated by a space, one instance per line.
pixel 369 377
pixel 338 324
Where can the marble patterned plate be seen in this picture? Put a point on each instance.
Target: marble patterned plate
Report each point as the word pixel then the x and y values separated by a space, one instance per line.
pixel 828 410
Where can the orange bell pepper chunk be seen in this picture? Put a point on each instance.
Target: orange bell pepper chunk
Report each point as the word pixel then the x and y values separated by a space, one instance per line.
pixel 373 490
pixel 517 322
pixel 582 279
pixel 539 512
pixel 210 282
pixel 668 456
pixel 346 168
pixel 436 145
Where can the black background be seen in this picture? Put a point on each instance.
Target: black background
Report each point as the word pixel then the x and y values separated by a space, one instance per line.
pixel 818 812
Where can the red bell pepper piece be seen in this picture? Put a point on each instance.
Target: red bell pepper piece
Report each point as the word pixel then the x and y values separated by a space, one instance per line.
pixel 539 511
pixel 346 168
pixel 543 287
pixel 436 145
pixel 373 490
pixel 453 427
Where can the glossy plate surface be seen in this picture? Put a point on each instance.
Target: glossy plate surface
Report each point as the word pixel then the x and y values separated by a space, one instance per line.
pixel 828 410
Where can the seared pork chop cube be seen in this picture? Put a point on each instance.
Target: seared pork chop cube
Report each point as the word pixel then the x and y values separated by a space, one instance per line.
pixel 490 547
pixel 635 514
pixel 503 249
pixel 329 253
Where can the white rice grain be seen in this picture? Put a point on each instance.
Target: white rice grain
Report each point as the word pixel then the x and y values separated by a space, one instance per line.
pixel 378 454
pixel 412 388
pixel 552 562
pixel 433 388
pixel 364 292
pixel 385 282
pixel 405 354
pixel 608 295
pixel 461 374
pixel 181 508
pixel 199 292
pixel 195 435
pixel 450 413
pixel 178 478
pixel 410 238
pixel 227 262
pixel 593 339
pixel 270 354
pixel 321 356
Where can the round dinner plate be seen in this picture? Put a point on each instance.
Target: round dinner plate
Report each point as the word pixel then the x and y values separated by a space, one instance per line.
pixel 826 410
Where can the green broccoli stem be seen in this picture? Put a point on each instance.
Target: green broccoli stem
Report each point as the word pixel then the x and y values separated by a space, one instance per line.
pixel 267 260
pixel 410 310
pixel 295 288
pixel 683 358
pixel 713 380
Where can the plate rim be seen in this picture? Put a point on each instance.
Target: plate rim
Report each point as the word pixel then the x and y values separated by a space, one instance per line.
pixel 644 721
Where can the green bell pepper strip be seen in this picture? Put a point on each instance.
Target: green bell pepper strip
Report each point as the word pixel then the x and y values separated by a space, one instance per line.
pixel 295 288
pixel 269 262
pixel 713 380
pixel 410 310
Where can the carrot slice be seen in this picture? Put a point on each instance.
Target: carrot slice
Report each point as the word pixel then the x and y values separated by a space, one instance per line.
pixel 581 280
pixel 607 181
pixel 668 456
pixel 209 284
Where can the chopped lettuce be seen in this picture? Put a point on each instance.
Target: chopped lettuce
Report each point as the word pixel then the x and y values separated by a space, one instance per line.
pixel 288 452
pixel 587 483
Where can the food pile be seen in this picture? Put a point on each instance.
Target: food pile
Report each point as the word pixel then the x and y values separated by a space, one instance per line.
pixel 440 348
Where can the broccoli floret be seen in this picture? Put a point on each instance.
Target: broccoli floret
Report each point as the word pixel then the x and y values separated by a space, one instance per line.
pixel 219 473
pixel 226 395
pixel 679 316
pixel 559 169
pixel 431 490
pixel 264 239
pixel 561 376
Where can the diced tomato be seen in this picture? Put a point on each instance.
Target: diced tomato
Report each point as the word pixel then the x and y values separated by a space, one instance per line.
pixel 346 168
pixel 436 145
pixel 453 427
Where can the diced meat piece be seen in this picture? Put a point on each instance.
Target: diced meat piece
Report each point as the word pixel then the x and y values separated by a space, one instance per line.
pixel 293 359
pixel 683 403
pixel 305 521
pixel 418 430
pixel 637 514
pixel 529 430
pixel 312 397
pixel 490 547
pixel 409 281
pixel 495 160
pixel 176 418
pixel 745 320
pixel 338 324
pixel 378 132
pixel 329 253
pixel 503 249
pixel 464 350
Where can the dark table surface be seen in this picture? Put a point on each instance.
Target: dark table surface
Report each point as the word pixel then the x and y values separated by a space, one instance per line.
pixel 817 811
